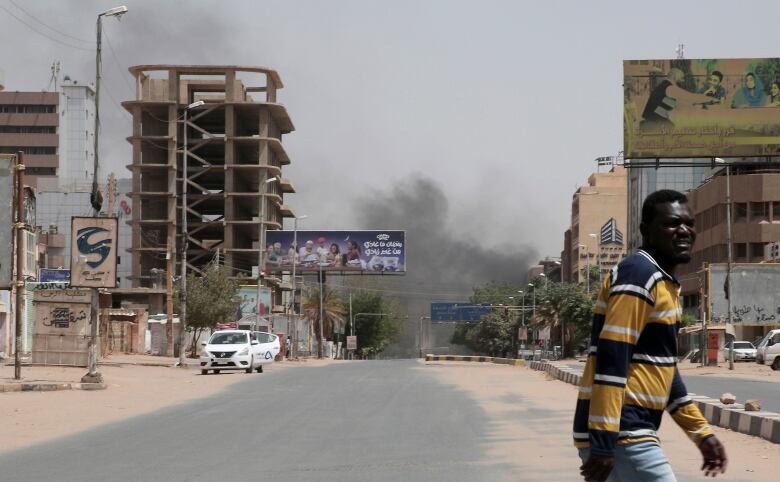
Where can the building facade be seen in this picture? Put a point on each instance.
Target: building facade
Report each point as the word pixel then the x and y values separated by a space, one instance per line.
pixel 234 149
pixel 602 202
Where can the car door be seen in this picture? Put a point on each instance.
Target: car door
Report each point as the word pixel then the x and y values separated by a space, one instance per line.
pixel 255 348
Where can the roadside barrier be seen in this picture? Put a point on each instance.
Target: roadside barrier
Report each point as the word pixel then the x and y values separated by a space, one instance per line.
pixel 733 417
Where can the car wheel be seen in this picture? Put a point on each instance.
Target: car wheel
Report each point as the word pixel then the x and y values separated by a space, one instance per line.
pixel 204 372
pixel 216 372
pixel 251 362
pixel 260 369
pixel 776 364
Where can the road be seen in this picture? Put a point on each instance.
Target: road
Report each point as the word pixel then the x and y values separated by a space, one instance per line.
pixel 359 421
pixel 385 420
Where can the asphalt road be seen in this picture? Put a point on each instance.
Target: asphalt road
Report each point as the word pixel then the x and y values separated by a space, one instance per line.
pixel 378 420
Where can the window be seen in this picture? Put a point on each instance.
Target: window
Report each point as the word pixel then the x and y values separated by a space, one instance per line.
pixel 776 211
pixel 740 212
pixel 27 109
pixel 28 130
pixel 740 250
pixel 756 251
pixel 41 150
pixel 759 212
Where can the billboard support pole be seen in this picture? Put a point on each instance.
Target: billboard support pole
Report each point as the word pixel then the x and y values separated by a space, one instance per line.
pixel 322 311
pixel 19 264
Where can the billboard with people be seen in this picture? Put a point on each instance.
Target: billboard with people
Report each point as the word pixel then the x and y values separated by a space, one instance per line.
pixel 701 108
pixel 376 252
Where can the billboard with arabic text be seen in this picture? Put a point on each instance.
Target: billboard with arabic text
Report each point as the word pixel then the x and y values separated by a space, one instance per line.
pixel 370 252
pixel 685 108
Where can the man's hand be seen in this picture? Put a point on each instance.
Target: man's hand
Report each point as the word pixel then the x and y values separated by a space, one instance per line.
pixel 715 460
pixel 597 468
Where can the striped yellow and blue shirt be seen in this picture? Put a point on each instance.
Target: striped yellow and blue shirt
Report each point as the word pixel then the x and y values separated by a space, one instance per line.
pixel 631 374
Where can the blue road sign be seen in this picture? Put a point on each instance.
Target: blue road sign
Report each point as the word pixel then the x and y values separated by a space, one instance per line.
pixel 458 311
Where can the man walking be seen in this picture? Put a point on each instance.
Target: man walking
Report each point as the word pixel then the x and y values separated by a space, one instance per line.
pixel 631 374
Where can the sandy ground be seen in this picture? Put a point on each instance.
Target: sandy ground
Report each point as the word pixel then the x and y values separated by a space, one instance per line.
pixel 532 416
pixel 745 370
pixel 34 417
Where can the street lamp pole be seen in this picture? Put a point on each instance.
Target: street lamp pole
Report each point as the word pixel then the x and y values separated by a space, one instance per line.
pixel 598 253
pixel 294 262
pixel 729 259
pixel 587 267
pixel 184 236
pixel 261 248
pixel 96 201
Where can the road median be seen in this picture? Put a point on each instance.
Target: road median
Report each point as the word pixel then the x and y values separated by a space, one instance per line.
pixel 476 359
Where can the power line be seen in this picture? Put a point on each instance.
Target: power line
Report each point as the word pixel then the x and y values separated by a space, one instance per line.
pixel 44 34
pixel 118 63
pixel 91 42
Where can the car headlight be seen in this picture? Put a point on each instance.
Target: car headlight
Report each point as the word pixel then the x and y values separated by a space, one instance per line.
pixel 243 352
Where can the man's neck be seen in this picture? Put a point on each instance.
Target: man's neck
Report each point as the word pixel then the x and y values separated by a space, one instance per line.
pixel 665 265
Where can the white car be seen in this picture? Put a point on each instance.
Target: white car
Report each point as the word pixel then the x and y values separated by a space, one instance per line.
pixel 743 350
pixel 268 347
pixel 232 350
pixel 768 352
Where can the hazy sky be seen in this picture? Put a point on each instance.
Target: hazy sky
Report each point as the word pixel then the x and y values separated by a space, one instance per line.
pixel 502 105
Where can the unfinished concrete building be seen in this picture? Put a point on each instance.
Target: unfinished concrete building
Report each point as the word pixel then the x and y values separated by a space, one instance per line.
pixel 234 146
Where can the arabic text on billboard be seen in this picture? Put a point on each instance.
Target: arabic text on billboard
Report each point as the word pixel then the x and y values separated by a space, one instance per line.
pixel 379 252
pixel 701 108
pixel 462 311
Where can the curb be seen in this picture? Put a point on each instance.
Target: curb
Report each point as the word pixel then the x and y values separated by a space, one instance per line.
pixel 733 417
pixel 478 359
pixel 49 387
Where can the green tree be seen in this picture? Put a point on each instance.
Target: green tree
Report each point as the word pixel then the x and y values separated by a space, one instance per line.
pixel 566 304
pixel 492 335
pixel 211 299
pixel 332 308
pixel 376 321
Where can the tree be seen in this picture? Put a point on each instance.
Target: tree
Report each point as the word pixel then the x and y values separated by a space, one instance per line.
pixel 211 299
pixel 492 335
pixel 376 322
pixel 568 304
pixel 332 308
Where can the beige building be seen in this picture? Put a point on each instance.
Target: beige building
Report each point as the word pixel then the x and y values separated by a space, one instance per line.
pixel 598 220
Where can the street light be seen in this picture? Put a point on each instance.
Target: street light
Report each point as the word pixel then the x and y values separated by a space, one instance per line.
pixel 598 253
pixel 718 160
pixel 587 267
pixel 261 245
pixel 96 201
pixel 95 198
pixel 184 235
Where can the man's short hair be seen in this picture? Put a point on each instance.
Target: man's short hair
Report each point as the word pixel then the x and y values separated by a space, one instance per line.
pixel 717 74
pixel 660 197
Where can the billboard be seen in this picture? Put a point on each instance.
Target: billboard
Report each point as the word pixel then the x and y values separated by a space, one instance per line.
pixel 458 311
pixel 7 163
pixel 93 247
pixel 50 275
pixel 701 108
pixel 372 252
pixel 248 304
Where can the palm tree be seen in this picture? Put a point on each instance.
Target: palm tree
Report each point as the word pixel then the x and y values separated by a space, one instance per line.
pixel 332 308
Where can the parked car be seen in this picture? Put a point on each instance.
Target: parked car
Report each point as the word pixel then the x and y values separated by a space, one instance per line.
pixel 768 350
pixel 231 350
pixel 269 347
pixel 743 350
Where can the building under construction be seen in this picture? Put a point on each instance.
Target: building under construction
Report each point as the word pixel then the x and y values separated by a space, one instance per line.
pixel 233 142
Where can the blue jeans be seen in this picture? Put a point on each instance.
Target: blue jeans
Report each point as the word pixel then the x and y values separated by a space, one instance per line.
pixel 639 462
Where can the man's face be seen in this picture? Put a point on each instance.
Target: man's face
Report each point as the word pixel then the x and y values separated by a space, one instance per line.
pixel 714 81
pixel 670 235
pixel 750 82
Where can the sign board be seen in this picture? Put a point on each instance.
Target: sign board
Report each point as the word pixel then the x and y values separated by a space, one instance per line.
pixel 50 275
pixel 701 108
pixel 458 311
pixel 522 333
pixel 352 343
pixel 248 303
pixel 93 248
pixel 369 252
pixel 755 293
pixel 7 163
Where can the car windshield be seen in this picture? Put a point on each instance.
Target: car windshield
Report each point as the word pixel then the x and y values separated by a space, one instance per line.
pixel 227 338
pixel 265 337
pixel 742 344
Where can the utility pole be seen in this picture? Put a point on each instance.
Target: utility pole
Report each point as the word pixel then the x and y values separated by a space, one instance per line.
pixel 19 264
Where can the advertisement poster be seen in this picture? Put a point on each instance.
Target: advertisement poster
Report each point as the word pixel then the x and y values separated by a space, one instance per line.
pixel 701 108
pixel 370 252
pixel 93 252
pixel 248 303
